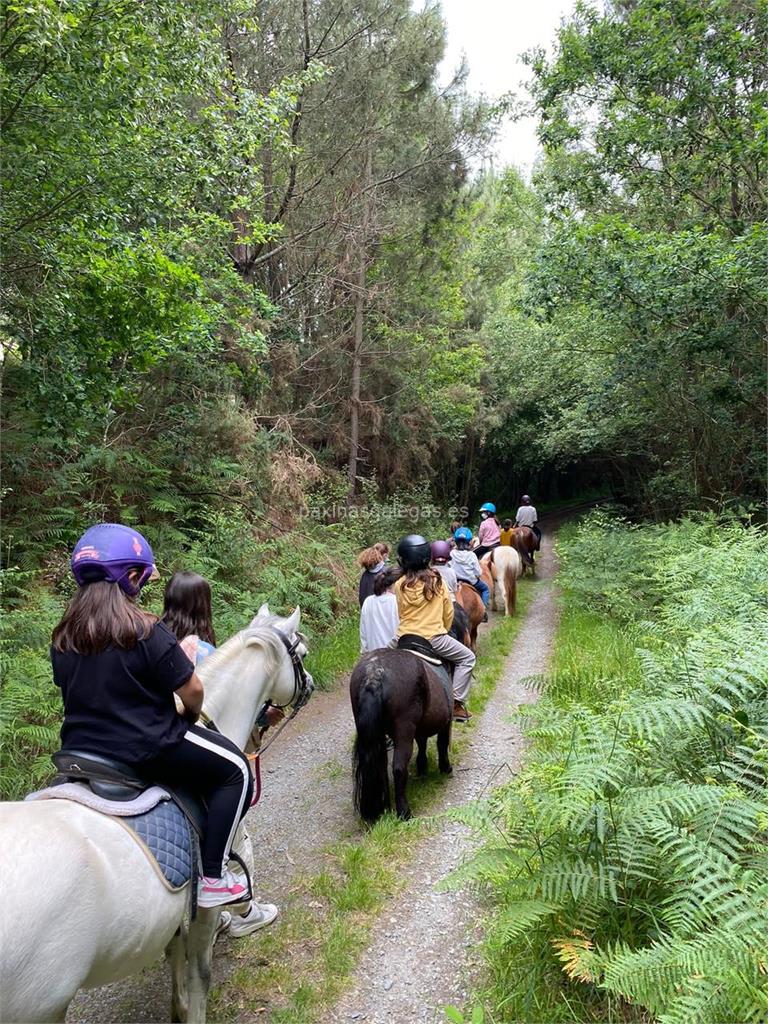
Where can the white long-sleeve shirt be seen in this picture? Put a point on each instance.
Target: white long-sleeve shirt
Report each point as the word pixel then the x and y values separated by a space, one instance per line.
pixel 379 621
pixel 449 578
pixel 526 516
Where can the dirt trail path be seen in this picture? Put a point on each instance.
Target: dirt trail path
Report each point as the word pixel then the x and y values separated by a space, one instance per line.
pixel 423 951
pixel 307 802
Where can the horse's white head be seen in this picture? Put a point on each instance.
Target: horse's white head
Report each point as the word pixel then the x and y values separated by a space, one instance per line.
pixel 289 626
pixel 258 664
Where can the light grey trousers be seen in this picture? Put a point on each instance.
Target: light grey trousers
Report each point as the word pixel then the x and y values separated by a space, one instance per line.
pixel 462 658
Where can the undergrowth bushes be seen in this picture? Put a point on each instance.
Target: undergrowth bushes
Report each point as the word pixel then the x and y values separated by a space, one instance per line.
pixel 629 859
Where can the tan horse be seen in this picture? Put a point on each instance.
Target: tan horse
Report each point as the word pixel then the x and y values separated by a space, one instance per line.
pixel 504 566
pixel 472 603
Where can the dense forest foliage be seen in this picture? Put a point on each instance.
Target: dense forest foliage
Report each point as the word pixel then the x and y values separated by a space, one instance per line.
pixel 245 259
pixel 259 304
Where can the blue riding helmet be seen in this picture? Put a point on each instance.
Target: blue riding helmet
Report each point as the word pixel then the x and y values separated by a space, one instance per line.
pixel 463 533
pixel 488 507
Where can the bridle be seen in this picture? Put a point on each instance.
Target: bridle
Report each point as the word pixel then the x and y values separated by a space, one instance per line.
pixel 302 682
pixel 303 686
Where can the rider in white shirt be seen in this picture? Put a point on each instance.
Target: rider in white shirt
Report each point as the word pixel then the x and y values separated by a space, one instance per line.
pixel 379 618
pixel 527 515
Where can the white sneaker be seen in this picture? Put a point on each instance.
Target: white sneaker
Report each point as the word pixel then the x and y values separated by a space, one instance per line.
pixel 259 916
pixel 224 919
pixel 218 892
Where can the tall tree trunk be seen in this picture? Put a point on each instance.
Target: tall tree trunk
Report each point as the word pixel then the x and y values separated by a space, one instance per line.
pixel 469 469
pixel 357 334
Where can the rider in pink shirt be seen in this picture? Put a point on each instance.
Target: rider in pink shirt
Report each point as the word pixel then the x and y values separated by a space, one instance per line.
pixel 489 533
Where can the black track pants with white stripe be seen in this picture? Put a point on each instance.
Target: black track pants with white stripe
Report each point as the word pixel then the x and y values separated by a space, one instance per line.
pixel 213 765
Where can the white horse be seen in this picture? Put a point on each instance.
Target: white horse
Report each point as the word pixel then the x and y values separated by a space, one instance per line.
pixel 81 904
pixel 504 566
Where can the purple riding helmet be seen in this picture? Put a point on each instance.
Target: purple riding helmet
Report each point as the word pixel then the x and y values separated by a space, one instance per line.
pixel 441 551
pixel 110 552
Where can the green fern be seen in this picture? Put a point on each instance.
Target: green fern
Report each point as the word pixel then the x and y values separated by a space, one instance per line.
pixel 636 834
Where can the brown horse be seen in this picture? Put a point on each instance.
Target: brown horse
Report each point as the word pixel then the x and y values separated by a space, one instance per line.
pixel 504 566
pixel 472 603
pixel 395 693
pixel 525 542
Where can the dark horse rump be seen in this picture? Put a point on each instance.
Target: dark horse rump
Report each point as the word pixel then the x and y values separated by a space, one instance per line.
pixel 460 627
pixel 395 693
pixel 526 542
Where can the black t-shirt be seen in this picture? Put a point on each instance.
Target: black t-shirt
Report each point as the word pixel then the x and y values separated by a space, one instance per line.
pixel 120 702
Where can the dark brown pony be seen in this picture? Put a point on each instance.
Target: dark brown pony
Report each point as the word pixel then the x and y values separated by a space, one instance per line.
pixel 395 693
pixel 525 543
pixel 472 603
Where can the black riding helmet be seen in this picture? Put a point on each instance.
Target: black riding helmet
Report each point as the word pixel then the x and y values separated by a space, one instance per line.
pixel 414 552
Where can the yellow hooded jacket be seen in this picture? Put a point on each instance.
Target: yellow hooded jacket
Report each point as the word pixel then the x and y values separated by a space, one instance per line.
pixel 420 616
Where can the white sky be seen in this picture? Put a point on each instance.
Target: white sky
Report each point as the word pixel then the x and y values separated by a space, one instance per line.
pixel 493 34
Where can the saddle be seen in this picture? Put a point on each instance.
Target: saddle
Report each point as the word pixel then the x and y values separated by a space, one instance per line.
pixel 112 780
pixel 166 821
pixel 422 648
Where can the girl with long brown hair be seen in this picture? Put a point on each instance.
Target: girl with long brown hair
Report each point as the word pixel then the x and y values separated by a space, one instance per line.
pixel 187 613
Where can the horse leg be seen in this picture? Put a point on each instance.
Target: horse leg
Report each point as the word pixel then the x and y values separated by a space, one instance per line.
pixel 199 956
pixel 176 954
pixel 421 757
pixel 401 758
pixel 443 742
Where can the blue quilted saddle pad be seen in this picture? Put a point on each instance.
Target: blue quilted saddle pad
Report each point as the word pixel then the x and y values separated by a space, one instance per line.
pixel 166 832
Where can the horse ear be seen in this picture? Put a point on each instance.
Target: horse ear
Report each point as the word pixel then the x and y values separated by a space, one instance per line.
pixel 262 613
pixel 293 621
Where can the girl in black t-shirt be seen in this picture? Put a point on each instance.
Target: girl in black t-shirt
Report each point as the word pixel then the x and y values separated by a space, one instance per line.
pixel 188 613
pixel 119 668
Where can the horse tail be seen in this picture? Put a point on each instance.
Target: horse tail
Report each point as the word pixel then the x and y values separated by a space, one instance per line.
pixel 510 589
pixel 369 756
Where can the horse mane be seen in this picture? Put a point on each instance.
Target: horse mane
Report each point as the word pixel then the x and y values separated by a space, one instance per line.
pixel 217 667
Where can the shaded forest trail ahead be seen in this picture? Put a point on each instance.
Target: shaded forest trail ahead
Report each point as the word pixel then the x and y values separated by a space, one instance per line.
pixel 419 955
pixel 422 953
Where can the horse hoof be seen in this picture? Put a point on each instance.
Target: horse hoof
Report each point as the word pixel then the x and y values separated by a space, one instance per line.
pixel 405 815
pixel 421 769
pixel 446 768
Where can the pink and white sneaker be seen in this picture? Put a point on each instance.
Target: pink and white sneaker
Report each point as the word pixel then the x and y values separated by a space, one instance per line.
pixel 218 892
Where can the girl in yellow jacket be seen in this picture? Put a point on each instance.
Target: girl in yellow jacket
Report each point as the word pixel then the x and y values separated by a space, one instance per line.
pixel 426 610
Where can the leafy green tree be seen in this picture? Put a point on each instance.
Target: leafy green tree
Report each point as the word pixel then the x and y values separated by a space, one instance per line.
pixel 637 328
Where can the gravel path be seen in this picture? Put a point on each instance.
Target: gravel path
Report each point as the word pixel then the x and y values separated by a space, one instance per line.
pixel 424 951
pixel 307 802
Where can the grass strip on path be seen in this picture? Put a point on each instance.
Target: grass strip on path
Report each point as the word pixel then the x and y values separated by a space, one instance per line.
pixel 334 654
pixel 295 971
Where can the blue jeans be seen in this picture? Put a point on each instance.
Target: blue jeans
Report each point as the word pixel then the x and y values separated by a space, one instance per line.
pixel 484 591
